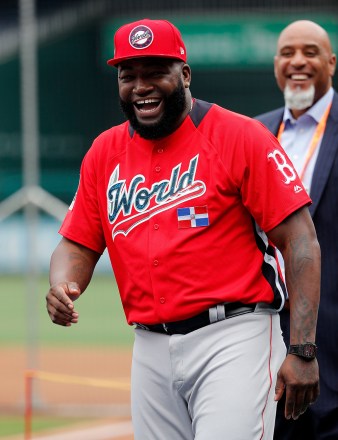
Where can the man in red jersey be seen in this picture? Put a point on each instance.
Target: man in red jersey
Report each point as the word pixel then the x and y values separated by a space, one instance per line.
pixel 190 200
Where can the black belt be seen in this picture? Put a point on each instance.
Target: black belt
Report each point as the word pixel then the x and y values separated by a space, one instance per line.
pixel 225 311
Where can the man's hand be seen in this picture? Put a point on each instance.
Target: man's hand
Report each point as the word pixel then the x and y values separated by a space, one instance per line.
pixel 60 305
pixel 299 379
pixel 69 261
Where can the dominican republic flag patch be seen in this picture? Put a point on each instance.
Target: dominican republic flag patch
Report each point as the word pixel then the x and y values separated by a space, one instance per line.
pixel 193 217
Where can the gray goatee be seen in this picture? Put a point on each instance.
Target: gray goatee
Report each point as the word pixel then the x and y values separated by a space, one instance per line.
pixel 299 99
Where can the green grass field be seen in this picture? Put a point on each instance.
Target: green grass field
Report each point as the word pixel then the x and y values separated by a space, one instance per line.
pixel 24 318
pixel 14 425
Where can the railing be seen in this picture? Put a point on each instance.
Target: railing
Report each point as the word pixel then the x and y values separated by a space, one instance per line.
pixel 30 375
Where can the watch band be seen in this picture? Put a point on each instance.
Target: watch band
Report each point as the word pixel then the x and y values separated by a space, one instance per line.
pixel 306 351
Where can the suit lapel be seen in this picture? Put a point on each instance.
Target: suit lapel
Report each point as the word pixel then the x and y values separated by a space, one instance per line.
pixel 326 155
pixel 273 121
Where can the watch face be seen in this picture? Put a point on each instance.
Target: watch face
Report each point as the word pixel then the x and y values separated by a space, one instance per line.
pixel 309 350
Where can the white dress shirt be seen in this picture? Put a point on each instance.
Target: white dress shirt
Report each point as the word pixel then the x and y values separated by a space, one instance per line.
pixel 296 140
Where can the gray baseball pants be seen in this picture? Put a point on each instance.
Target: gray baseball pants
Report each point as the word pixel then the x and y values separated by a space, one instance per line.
pixel 216 383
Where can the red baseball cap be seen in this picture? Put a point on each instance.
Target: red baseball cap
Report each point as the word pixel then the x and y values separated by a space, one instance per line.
pixel 148 38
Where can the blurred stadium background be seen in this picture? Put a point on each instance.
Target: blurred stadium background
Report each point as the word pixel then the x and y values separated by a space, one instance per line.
pixel 56 95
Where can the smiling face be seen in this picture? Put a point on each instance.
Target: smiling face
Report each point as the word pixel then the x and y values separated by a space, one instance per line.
pixel 154 94
pixel 304 60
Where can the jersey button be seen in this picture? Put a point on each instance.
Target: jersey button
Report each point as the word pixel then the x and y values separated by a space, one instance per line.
pixel 162 300
pixel 157 169
pixel 156 226
pixel 155 262
pixel 160 150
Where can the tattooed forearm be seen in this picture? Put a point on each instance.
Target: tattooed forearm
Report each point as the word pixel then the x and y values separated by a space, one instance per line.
pixel 296 238
pixel 78 264
pixel 302 279
pixel 72 262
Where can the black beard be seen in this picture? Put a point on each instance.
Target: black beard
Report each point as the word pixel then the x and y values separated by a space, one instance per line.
pixel 174 106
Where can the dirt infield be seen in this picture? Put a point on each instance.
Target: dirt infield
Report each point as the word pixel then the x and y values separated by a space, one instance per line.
pixel 61 396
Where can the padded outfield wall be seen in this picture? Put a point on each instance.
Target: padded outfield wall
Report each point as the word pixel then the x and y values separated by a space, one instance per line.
pixel 231 57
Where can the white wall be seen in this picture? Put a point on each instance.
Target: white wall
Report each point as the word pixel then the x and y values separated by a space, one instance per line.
pixel 14 250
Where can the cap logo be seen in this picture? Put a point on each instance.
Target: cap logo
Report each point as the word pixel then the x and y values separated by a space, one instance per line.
pixel 141 37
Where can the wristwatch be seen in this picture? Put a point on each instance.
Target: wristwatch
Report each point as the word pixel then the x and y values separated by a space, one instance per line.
pixel 306 351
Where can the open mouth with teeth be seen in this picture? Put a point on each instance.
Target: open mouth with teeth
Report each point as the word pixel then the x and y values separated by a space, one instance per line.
pixel 299 77
pixel 299 80
pixel 149 106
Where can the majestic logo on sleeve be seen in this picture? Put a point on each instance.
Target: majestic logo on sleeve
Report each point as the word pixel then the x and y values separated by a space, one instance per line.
pixel 148 202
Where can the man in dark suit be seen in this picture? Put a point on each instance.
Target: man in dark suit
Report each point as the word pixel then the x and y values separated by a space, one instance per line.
pixel 307 128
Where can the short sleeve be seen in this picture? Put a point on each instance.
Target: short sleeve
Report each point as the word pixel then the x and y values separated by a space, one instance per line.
pixel 83 223
pixel 270 186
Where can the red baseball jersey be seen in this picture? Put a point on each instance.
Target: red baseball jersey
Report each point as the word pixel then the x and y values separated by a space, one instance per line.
pixel 183 217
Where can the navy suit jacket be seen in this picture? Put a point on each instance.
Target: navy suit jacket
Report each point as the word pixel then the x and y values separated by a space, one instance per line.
pixel 324 212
